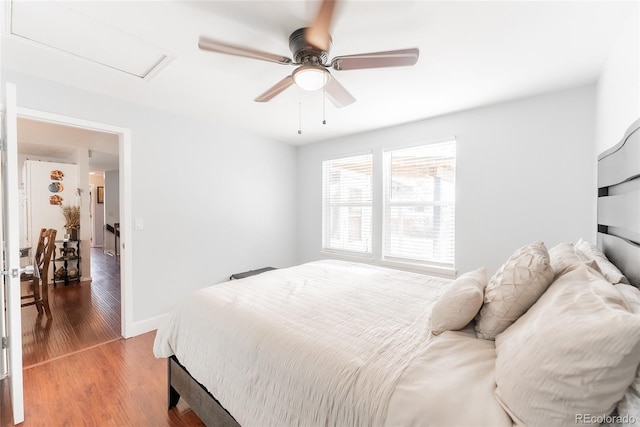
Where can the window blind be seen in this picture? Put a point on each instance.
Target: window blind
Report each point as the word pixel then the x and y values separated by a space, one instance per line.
pixel 347 204
pixel 419 204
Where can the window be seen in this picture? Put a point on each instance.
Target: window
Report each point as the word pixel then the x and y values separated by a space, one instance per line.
pixel 412 205
pixel 419 204
pixel 347 204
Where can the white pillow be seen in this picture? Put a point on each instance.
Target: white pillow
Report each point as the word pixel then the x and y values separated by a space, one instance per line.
pixel 629 406
pixel 564 257
pixel 513 289
pixel 574 352
pixel 609 271
pixel 459 303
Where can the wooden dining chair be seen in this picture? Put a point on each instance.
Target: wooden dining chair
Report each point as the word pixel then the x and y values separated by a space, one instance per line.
pixel 39 287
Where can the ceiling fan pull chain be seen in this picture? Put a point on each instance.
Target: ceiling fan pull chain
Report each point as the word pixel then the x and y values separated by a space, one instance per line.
pixel 299 116
pixel 324 101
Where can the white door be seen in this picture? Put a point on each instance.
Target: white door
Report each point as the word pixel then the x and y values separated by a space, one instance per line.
pixel 12 328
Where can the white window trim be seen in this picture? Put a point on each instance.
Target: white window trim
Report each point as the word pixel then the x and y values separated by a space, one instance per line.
pixel 376 256
pixel 387 205
pixel 347 252
pixel 396 264
pixel 419 267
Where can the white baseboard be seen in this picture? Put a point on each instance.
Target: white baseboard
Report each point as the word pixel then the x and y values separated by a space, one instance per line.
pixel 144 326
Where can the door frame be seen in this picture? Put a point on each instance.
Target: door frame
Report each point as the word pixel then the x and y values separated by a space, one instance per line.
pixel 126 215
pixel 11 226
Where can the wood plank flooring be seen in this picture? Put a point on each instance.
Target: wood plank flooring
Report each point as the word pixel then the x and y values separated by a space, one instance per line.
pixel 84 314
pixel 78 371
pixel 119 383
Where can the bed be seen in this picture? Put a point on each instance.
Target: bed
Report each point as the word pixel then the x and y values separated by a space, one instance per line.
pixel 551 338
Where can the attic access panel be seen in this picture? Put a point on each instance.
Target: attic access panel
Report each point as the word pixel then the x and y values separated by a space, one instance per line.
pixel 56 26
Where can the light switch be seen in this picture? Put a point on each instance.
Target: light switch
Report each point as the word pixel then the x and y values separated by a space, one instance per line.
pixel 138 224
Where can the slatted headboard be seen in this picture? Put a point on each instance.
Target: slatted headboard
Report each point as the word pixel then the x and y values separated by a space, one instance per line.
pixel 619 204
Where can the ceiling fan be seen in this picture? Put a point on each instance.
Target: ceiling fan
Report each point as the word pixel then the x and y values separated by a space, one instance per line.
pixel 310 48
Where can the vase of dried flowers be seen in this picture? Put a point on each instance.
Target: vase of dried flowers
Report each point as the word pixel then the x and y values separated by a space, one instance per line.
pixel 72 220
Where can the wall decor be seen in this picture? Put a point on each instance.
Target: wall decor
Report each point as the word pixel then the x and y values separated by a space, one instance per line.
pixel 100 195
pixel 56 187
pixel 55 200
pixel 57 175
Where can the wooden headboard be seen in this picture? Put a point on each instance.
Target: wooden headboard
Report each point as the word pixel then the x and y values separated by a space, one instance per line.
pixel 619 204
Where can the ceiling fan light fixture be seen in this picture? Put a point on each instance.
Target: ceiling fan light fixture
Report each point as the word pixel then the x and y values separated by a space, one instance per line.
pixel 311 77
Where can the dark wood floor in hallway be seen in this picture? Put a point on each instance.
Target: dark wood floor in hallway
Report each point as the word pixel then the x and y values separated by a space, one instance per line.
pixel 84 314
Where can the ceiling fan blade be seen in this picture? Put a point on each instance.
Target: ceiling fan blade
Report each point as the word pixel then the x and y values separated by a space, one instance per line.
pixel 391 58
pixel 205 43
pixel 275 89
pixel 338 94
pixel 317 35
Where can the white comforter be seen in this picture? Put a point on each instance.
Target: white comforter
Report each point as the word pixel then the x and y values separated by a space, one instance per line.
pixel 332 343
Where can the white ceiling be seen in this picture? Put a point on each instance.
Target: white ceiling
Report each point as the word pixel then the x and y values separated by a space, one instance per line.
pixel 471 54
pixel 38 139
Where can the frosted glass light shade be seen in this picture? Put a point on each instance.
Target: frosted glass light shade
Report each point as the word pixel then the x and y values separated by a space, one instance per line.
pixel 311 77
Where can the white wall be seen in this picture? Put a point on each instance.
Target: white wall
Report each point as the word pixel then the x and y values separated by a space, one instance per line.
pixel 214 200
pixel 525 172
pixel 619 86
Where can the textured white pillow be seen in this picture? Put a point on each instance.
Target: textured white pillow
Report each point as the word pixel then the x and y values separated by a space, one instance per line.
pixel 459 303
pixel 513 289
pixel 564 257
pixel 574 352
pixel 609 271
pixel 629 406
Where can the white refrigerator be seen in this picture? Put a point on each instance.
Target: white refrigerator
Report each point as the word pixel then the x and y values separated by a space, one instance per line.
pixel 48 186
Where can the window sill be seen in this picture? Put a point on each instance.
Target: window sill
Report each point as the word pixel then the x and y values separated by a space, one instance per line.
pixel 420 268
pixel 399 265
pixel 347 256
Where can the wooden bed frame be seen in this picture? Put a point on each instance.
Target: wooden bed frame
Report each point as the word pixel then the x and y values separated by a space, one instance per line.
pixel 618 236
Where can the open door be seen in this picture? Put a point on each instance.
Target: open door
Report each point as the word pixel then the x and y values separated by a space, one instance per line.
pixel 9 214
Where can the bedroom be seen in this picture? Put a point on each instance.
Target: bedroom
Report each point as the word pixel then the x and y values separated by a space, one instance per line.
pixel 189 175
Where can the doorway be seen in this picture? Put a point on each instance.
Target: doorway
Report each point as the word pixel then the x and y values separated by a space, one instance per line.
pixel 122 155
pixel 87 307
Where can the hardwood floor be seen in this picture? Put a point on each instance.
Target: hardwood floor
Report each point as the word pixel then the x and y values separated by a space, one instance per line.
pixel 85 314
pixel 119 383
pixel 79 371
